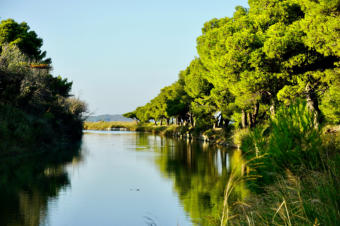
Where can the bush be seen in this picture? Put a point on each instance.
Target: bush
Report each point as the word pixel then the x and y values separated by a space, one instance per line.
pixel 294 142
pixel 35 108
pixel 297 171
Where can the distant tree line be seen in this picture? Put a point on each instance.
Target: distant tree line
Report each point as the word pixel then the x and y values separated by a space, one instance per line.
pixel 264 56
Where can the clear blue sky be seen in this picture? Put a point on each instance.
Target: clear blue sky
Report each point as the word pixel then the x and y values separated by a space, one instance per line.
pixel 118 54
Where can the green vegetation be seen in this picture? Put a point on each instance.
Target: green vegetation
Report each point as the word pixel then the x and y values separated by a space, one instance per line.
pixel 270 76
pixel 102 125
pixel 36 108
pixel 250 64
pixel 20 35
pixel 291 170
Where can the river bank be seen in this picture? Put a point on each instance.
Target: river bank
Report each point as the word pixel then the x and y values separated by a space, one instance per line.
pixel 214 136
pixel 231 138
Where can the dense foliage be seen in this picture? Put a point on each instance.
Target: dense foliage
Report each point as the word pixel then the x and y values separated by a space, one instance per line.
pixel 249 64
pixel 20 35
pixel 36 107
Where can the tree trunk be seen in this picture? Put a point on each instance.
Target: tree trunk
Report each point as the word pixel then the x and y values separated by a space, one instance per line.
pixel 272 108
pixel 167 121
pixel 254 115
pixel 225 123
pixel 155 122
pixel 220 121
pixel 244 119
pixel 313 104
pixel 250 120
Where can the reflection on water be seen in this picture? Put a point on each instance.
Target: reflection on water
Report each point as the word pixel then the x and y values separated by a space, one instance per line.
pixel 28 183
pixel 198 171
pixel 125 179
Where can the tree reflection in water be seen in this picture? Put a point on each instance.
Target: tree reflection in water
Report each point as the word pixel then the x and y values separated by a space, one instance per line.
pixel 27 184
pixel 200 173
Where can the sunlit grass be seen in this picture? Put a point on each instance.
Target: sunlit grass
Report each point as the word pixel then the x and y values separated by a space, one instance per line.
pixel 101 125
pixel 133 126
pixel 296 172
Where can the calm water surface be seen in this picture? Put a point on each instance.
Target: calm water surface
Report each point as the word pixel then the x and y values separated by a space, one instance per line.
pixel 116 178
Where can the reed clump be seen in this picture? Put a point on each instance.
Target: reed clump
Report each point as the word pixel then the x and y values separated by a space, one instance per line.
pixel 294 177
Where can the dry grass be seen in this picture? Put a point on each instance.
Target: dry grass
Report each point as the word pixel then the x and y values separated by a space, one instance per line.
pixel 101 125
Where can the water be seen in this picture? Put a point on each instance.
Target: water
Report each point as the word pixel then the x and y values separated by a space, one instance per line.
pixel 117 178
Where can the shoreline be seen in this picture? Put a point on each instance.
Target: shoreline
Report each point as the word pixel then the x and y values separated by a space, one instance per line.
pixel 212 136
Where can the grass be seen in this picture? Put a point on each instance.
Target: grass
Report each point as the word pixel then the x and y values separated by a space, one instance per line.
pixel 101 125
pixel 296 171
pixel 238 136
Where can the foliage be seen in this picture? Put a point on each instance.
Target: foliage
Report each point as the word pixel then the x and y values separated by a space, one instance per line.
pixel 294 140
pixel 36 107
pixel 273 52
pixel 13 33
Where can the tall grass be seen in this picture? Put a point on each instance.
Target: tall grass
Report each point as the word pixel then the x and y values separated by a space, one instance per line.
pixel 294 141
pixel 296 168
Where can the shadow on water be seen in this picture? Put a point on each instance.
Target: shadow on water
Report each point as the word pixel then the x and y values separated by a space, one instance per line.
pixel 199 172
pixel 27 184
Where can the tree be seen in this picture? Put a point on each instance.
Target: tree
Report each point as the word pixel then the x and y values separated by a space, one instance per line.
pixel 197 87
pixel 301 49
pixel 29 43
pixel 178 103
pixel 321 26
pixel 131 115
pixel 231 52
pixel 272 53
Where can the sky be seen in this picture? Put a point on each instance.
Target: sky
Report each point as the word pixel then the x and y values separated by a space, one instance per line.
pixel 119 54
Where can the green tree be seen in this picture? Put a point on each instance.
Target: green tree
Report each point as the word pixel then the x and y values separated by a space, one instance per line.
pixel 307 65
pixel 178 103
pixel 131 115
pixel 231 51
pixel 29 43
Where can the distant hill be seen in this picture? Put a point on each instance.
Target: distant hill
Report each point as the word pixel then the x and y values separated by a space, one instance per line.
pixel 108 118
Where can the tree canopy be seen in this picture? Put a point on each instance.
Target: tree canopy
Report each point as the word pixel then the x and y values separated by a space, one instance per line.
pixel 13 33
pixel 268 54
